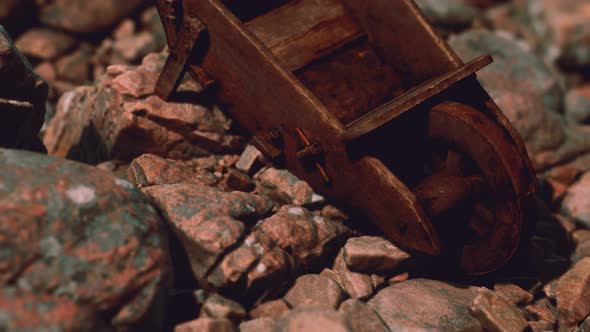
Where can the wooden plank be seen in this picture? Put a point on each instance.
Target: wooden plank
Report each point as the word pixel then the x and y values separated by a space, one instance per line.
pixel 304 30
pixel 401 35
pixel 411 99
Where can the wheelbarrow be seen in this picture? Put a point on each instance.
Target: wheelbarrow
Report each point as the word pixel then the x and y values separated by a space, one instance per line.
pixel 364 101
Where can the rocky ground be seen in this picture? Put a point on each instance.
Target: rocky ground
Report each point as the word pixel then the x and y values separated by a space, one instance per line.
pixel 148 215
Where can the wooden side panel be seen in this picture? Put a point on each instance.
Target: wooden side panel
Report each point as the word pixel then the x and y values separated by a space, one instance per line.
pixel 304 30
pixel 401 35
pixel 264 96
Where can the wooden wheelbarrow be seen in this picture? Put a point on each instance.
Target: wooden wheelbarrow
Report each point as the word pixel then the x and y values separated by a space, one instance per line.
pixel 367 103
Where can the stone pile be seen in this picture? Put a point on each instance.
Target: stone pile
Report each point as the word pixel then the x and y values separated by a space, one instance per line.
pixel 183 226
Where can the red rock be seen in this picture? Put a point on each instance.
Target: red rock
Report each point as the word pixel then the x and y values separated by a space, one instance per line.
pixel 542 326
pixel 582 251
pixel 46 71
pixel 312 319
pixel 286 188
pixel 20 310
pixel 315 290
pixel 81 16
pixel 304 236
pixel 372 254
pixel 333 213
pixel 496 314
pixel 236 264
pixel 75 67
pixel 237 180
pixel 133 48
pixel 580 236
pixel 149 170
pixel 577 105
pixel 356 285
pixel 76 234
pixel 576 203
pixel 124 30
pixel 249 160
pixel 572 291
pixel 542 310
pixel 426 305
pixel 361 317
pixel 271 274
pixel 205 219
pixel 258 325
pixel 256 269
pixel 206 325
pixel 270 309
pixel 217 306
pixel 45 44
pixel 513 294
pixel 106 121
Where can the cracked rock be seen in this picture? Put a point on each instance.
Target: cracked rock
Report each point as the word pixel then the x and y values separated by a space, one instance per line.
pixel 206 220
pixel 82 249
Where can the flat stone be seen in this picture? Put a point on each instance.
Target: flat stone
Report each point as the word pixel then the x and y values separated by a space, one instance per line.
pixel 264 324
pixel 206 325
pixel 426 305
pixel 496 314
pixel 149 170
pixel 542 310
pixel 249 160
pixel 372 254
pixel 576 203
pixel 571 291
pixel 286 188
pixel 217 306
pixel 513 294
pixel 304 236
pixel 312 319
pixel 356 285
pixel 313 289
pixel 270 309
pixel 206 220
pixel 45 44
pixel 361 317
pixel 78 244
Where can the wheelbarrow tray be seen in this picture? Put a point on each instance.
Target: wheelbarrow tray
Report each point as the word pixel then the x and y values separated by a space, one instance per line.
pixel 320 85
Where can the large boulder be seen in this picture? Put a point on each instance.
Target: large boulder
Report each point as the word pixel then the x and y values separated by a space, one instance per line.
pixel 529 93
pixel 22 102
pixel 81 249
